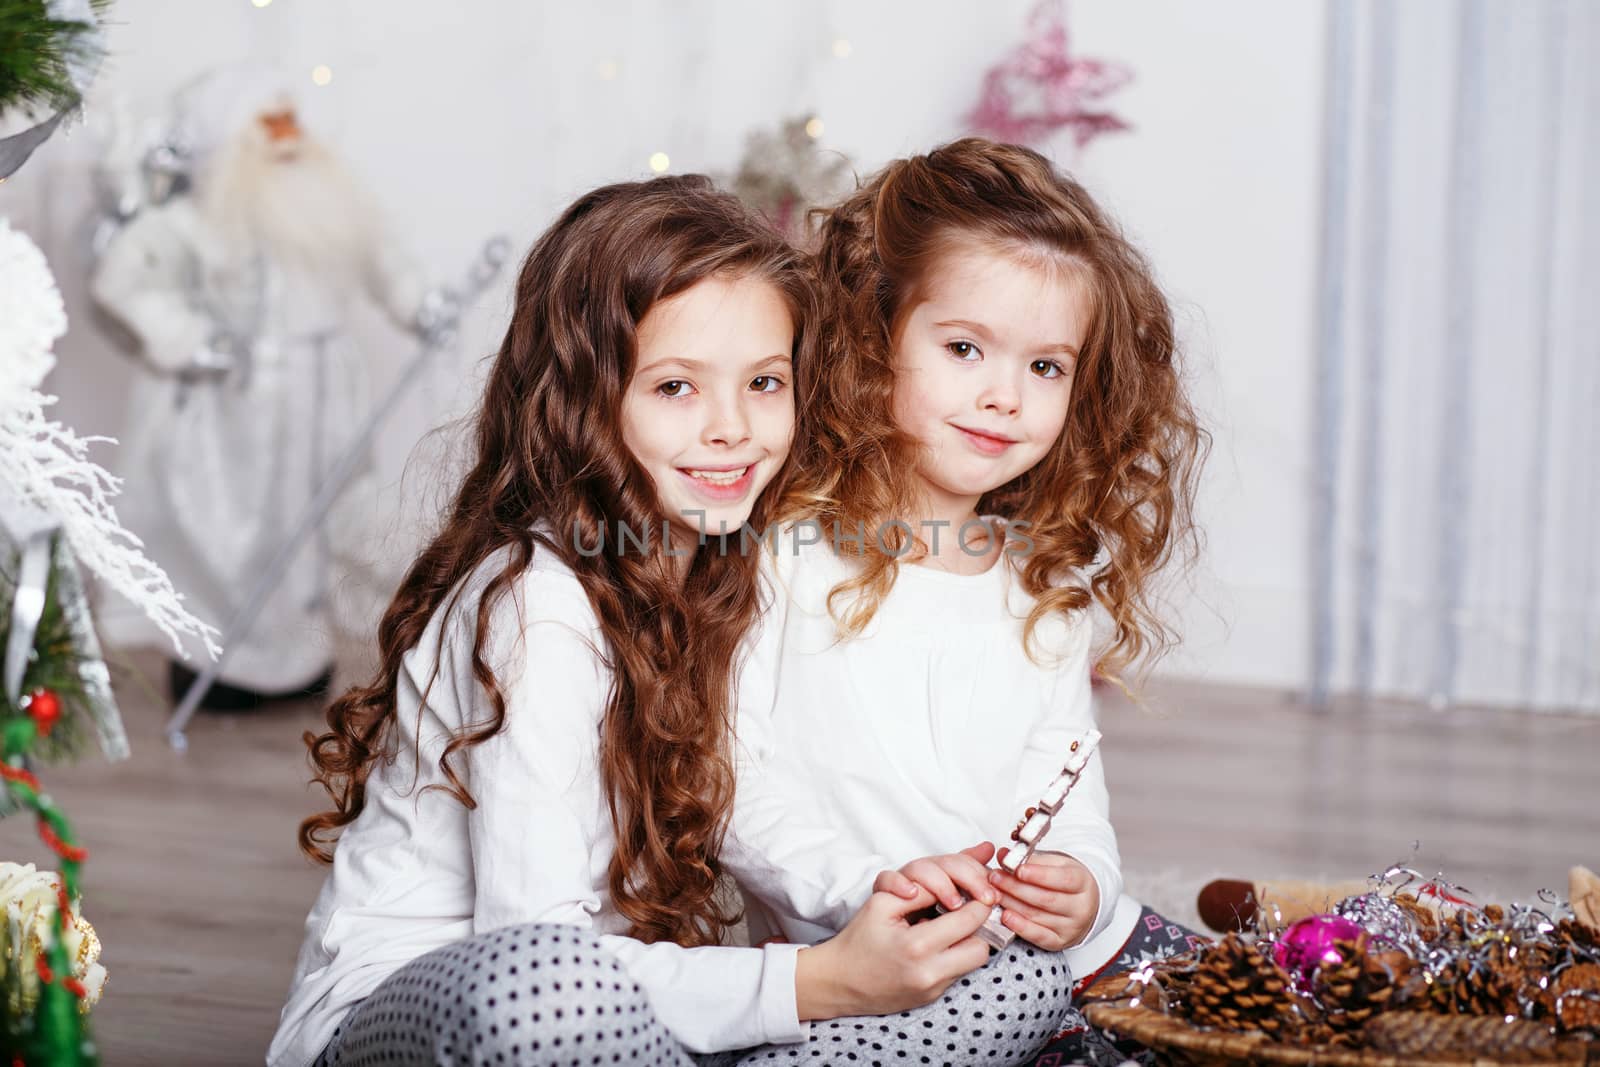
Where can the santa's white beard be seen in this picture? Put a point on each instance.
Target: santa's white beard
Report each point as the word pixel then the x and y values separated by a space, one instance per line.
pixel 303 210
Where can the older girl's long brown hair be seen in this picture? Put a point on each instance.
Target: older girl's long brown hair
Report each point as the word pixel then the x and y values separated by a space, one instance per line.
pixel 1121 477
pixel 549 449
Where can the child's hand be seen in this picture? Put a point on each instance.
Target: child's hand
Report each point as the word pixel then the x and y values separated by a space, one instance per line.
pixel 1051 901
pixel 880 963
pixel 947 877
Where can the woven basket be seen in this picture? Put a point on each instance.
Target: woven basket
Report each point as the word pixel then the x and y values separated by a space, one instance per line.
pixel 1177 1042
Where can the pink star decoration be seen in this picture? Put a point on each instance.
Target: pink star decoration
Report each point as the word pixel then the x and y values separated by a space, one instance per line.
pixel 1040 87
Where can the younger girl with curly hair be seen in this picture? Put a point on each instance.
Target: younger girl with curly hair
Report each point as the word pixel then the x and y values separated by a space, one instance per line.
pixel 530 798
pixel 1000 443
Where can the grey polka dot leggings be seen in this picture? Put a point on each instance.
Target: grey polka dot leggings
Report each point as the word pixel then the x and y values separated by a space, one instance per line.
pixel 551 995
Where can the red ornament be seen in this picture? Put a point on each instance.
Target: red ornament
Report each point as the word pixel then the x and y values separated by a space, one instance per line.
pixel 1042 87
pixel 45 708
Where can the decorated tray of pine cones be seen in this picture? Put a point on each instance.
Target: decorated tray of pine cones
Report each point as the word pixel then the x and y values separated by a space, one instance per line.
pixel 1389 977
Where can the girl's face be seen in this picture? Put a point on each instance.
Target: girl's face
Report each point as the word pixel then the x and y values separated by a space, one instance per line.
pixel 983 371
pixel 709 411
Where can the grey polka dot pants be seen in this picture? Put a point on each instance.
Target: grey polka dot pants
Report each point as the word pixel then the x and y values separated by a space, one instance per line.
pixel 550 995
pixel 1000 1015
pixel 534 994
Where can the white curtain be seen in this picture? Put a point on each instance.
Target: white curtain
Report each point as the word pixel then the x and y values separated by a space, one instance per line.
pixel 1456 533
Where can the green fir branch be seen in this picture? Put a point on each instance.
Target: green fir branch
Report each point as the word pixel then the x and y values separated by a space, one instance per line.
pixel 36 53
pixel 54 665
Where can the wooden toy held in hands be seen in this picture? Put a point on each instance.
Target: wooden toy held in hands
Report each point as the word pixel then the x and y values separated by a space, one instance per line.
pixel 1035 824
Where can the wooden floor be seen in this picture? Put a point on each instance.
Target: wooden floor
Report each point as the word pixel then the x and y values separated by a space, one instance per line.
pixel 197 890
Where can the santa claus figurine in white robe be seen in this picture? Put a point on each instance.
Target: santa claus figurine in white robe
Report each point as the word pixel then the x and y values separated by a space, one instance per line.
pixel 237 290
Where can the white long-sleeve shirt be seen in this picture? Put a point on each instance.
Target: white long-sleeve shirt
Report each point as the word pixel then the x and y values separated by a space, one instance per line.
pixel 928 733
pixel 417 870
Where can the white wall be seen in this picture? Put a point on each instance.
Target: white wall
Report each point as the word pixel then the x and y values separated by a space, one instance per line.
pixel 473 118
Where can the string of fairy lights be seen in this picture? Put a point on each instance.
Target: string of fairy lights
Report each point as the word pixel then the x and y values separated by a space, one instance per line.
pixel 609 69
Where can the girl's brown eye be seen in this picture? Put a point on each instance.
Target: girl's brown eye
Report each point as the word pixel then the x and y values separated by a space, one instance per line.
pixel 767 383
pixel 673 388
pixel 962 350
pixel 1048 368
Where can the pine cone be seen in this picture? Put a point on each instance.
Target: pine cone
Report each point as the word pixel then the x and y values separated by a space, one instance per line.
pixel 1236 987
pixel 1575 998
pixel 1538 958
pixel 1174 983
pixel 1319 1033
pixel 1415 1033
pixel 1453 927
pixel 1485 986
pixel 1578 937
pixel 1364 984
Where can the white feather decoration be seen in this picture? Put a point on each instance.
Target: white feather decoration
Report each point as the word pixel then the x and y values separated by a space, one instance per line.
pixel 45 465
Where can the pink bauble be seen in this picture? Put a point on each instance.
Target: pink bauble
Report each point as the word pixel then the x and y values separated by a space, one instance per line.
pixel 1309 944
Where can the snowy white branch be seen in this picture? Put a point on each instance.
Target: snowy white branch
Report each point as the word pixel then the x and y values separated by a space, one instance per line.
pixel 47 465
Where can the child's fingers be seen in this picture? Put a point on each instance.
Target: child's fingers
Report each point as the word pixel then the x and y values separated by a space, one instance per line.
pixel 1040 906
pixel 932 877
pixel 1051 900
pixel 1072 878
pixel 896 883
pixel 893 907
pixel 983 852
pixel 963 957
pixel 951 928
pixel 970 876
pixel 1032 931
pixel 1045 915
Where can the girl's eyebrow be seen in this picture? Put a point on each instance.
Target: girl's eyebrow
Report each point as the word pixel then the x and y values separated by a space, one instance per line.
pixel 689 364
pixel 967 324
pixel 673 361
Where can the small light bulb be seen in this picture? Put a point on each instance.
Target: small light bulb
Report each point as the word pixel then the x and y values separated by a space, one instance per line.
pixel 659 162
pixel 261 3
pixel 607 69
pixel 841 48
pixel 813 128
pixel 322 74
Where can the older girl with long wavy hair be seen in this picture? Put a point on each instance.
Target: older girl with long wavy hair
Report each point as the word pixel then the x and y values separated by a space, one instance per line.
pixel 1000 445
pixel 530 797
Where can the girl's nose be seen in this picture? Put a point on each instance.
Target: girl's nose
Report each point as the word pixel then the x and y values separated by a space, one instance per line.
pixel 728 424
pixel 1000 396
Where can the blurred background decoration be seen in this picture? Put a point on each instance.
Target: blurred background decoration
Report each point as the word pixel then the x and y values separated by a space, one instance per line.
pixel 785 173
pixel 1377 222
pixel 236 287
